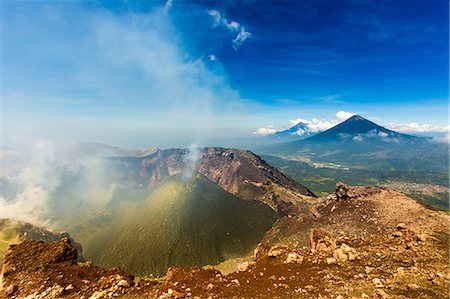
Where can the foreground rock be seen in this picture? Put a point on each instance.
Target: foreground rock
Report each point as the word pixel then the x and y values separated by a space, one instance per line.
pixel 15 231
pixel 349 249
pixel 50 270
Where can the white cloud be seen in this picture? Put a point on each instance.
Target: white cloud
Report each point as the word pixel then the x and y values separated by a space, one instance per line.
pixel 298 120
pixel 343 115
pixel 212 57
pixel 372 134
pixel 232 26
pixel 314 125
pixel 136 57
pixel 442 139
pixel 265 130
pixel 417 127
pixel 301 132
pixel 317 125
pixel 241 38
pixel 168 5
pixel 216 16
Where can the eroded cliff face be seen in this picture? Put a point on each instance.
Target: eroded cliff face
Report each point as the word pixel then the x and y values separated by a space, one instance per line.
pixel 239 172
pixel 162 164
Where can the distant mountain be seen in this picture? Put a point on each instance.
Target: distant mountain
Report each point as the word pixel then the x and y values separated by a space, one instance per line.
pixel 361 143
pixel 186 222
pixel 357 128
pixel 298 131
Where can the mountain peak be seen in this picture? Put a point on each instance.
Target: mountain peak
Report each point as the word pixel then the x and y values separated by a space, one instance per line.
pixel 356 117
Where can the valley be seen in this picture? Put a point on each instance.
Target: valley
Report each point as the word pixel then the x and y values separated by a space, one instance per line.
pixel 428 187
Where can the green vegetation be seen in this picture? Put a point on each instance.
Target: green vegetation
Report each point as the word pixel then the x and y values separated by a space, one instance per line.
pixel 8 235
pixel 183 223
pixel 323 180
pixel 438 200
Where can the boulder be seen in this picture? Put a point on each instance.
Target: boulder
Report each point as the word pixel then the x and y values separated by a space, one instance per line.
pixel 346 192
pixel 293 257
pixel 277 250
pixel 321 240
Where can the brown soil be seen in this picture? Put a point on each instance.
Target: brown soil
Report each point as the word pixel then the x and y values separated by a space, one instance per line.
pixel 358 243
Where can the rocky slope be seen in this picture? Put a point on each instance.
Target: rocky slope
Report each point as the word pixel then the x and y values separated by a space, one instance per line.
pixel 239 172
pixel 358 243
pixel 359 211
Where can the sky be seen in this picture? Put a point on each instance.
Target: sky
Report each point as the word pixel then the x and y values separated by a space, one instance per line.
pixel 168 73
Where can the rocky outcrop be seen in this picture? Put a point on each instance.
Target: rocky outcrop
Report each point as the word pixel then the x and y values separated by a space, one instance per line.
pixel 50 270
pixel 14 231
pixel 346 192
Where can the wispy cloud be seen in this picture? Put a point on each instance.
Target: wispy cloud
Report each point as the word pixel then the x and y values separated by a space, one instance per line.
pixel 231 26
pixel 442 139
pixel 168 5
pixel 240 38
pixel 216 16
pixel 123 62
pixel 417 128
pixel 266 130
pixel 343 115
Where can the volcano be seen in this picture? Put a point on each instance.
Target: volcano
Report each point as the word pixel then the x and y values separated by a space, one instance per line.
pixel 361 143
pixel 187 222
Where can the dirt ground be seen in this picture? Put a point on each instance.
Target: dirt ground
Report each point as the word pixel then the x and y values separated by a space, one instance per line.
pixel 358 243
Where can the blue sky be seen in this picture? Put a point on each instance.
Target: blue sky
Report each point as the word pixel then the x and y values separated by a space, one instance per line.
pixel 139 74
